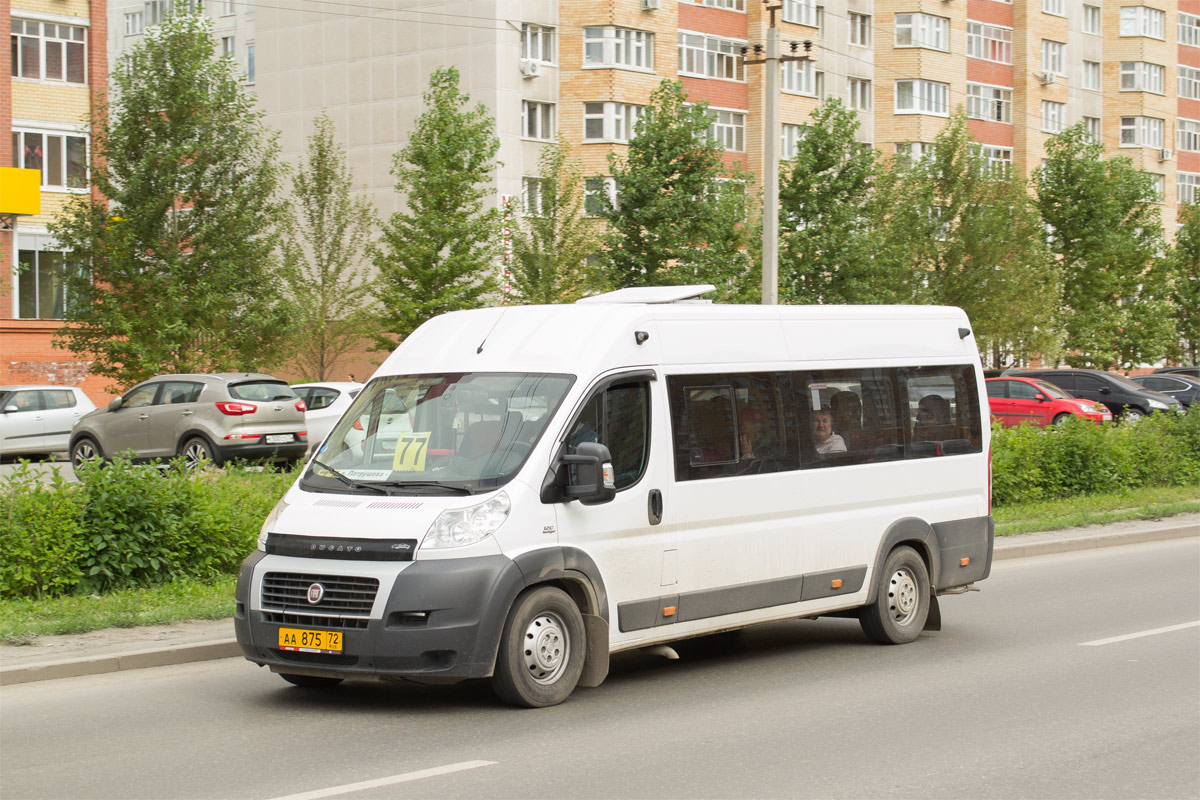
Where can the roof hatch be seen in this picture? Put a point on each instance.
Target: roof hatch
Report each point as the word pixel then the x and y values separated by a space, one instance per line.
pixel 653 294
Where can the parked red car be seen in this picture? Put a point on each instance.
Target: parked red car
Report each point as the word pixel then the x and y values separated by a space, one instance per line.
pixel 1017 400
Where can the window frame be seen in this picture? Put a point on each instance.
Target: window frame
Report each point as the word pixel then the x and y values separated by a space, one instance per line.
pixel 1092 14
pixel 1058 118
pixel 1092 75
pixel 859 24
pixel 1054 57
pixel 1188 30
pixel 1142 21
pixel 66 134
pixel 541 113
pixel 919 96
pixel 727 131
pixel 611 41
pixel 1143 76
pixel 1141 130
pixel 71 50
pixel 860 94
pixel 1188 82
pixel 919 26
pixel 536 41
pixel 984 43
pixel 977 99
pixel 714 52
pixel 1187 184
pixel 800 12
pixel 615 118
pixel 1187 135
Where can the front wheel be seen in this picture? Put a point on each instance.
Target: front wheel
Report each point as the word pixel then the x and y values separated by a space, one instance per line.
pixel 541 650
pixel 84 450
pixel 1060 419
pixel 310 681
pixel 1132 415
pixel 901 599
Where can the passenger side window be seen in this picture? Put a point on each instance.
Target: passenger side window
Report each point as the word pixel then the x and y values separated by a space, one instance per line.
pixel 180 392
pixel 141 397
pixel 58 398
pixel 619 418
pixel 1022 391
pixel 999 389
pixel 851 418
pixel 944 409
pixel 25 401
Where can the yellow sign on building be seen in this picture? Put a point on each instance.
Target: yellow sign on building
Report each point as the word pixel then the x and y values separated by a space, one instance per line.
pixel 20 191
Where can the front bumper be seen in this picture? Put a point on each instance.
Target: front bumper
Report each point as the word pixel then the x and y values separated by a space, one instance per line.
pixel 440 619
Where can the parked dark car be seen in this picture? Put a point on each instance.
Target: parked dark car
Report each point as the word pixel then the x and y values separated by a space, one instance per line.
pixel 1191 372
pixel 1124 398
pixel 1184 389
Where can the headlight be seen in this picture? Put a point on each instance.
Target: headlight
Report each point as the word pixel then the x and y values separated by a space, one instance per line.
pixel 270 523
pixel 1157 404
pixel 1089 407
pixel 466 526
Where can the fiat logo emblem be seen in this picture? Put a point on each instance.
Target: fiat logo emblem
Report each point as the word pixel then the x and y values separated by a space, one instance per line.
pixel 315 593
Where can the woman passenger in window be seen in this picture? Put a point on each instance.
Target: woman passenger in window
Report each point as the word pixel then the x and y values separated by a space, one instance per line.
pixel 825 440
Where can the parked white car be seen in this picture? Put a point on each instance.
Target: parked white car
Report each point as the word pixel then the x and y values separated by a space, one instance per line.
pixel 326 402
pixel 37 420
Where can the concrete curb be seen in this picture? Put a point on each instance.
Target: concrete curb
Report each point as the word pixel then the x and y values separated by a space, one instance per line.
pixel 1019 546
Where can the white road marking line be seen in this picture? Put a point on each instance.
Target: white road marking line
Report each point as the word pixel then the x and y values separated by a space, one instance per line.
pixel 333 791
pixel 1140 634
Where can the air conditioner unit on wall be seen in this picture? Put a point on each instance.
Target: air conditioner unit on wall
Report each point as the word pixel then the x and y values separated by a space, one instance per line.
pixel 1164 155
pixel 649 5
pixel 1047 78
pixel 531 67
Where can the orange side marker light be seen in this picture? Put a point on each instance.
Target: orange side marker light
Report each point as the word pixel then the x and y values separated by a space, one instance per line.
pixel 836 583
pixel 964 562
pixel 668 611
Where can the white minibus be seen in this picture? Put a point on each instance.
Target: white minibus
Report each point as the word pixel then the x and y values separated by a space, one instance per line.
pixel 560 483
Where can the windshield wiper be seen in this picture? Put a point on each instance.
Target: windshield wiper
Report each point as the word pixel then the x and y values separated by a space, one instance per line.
pixel 454 487
pixel 352 484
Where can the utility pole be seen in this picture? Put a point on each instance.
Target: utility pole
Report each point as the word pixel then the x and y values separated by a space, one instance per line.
pixel 773 60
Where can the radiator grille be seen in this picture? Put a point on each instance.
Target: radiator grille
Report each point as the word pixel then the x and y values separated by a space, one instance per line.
pixel 344 595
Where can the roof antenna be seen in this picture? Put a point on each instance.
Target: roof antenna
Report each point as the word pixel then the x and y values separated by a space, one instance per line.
pixel 499 317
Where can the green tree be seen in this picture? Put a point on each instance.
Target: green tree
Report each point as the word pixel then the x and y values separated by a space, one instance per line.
pixel 1184 269
pixel 325 276
pixel 679 216
pixel 178 237
pixel 438 255
pixel 825 253
pixel 552 240
pixel 1106 231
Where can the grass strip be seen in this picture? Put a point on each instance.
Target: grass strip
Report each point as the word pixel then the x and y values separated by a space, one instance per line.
pixel 1076 512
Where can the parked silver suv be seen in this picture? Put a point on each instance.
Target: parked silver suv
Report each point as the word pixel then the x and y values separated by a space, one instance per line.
pixel 218 417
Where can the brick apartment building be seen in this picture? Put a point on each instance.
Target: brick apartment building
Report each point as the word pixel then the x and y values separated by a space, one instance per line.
pixel 1022 70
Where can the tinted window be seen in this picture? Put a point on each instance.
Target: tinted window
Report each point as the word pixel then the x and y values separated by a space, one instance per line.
pixel 619 418
pixel 1064 381
pixel 1022 391
pixel 319 398
pixel 998 388
pixel 263 391
pixel 945 410
pixel 1089 383
pixel 180 392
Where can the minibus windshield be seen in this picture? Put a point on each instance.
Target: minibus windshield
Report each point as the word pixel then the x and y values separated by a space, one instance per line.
pixel 457 433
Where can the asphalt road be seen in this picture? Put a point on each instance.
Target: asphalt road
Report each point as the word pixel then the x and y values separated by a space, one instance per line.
pixel 1068 676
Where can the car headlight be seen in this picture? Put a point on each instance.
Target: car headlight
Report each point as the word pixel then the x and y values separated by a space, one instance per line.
pixel 270 523
pixel 464 526
pixel 1089 407
pixel 1161 406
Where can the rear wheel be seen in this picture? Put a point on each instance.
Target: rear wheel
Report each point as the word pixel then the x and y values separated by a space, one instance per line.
pixel 310 681
pixel 84 450
pixel 901 599
pixel 197 450
pixel 541 650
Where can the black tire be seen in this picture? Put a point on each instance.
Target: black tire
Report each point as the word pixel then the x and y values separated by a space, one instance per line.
pixel 541 649
pixel 197 449
pixel 901 599
pixel 84 449
pixel 310 681
pixel 1060 419
pixel 1132 415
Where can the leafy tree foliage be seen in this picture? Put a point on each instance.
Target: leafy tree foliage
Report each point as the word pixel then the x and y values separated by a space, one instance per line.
pixel 1184 266
pixel 325 276
pixel 1106 230
pixel 177 237
pixel 438 255
pixel 679 215
pixel 551 243
pixel 827 243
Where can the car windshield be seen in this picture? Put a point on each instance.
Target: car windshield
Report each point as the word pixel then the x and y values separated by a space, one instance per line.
pixel 1053 391
pixel 452 433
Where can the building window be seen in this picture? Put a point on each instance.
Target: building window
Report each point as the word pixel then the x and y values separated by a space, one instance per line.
pixel 227 47
pixel 41 291
pixel 134 23
pixel 537 43
pixel 999 159
pixel 1189 29
pixel 923 97
pixel 790 144
pixel 1188 135
pixel 1091 75
pixel 799 77
pixel 1142 21
pixel 49 51
pixel 61 157
pixel 533 192
pixel 860 29
pixel 250 69
pixel 732 5
pixel 922 30
pixel 1052 57
pixel 1189 83
pixel 728 129
pixel 1140 76
pixel 228 8
pixel 1054 116
pixel 1092 126
pixel 610 122
pixel 537 120
pixel 801 12
pixel 1056 7
pixel 989 42
pixel 1158 187
pixel 594 192
pixel 1188 187
pixel 1141 132
pixel 710 57
pixel 993 103
pixel 618 47
pixel 914 151
pixel 858 95
pixel 1091 19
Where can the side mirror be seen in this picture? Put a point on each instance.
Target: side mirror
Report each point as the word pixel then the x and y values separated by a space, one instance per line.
pixel 114 404
pixel 1104 390
pixel 591 482
pixel 10 409
pixel 1039 397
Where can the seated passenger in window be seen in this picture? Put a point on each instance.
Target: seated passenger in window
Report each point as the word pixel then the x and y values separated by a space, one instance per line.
pixel 750 434
pixel 824 439
pixel 847 417
pixel 933 419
